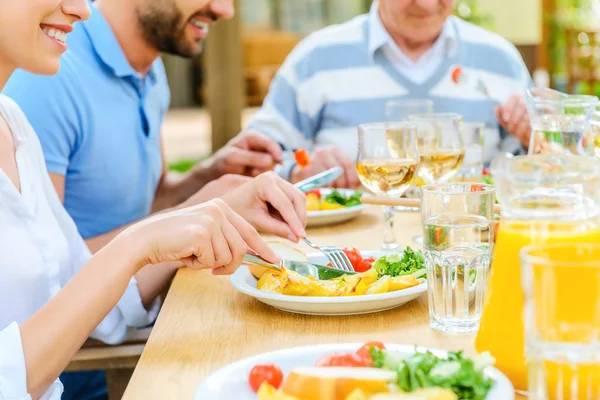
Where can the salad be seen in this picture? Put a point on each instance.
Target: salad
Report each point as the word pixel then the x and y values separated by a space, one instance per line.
pixel 335 200
pixel 373 372
pixel 388 273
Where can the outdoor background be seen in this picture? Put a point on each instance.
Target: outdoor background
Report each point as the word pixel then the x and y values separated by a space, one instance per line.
pixel 557 39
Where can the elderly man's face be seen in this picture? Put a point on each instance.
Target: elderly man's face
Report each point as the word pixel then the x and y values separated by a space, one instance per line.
pixel 415 20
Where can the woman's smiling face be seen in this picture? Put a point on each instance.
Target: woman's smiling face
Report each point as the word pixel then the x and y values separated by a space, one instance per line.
pixel 33 33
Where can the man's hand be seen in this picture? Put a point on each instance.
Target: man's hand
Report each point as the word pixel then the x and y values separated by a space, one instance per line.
pixel 513 117
pixel 323 159
pixel 250 153
pixel 271 205
pixel 216 189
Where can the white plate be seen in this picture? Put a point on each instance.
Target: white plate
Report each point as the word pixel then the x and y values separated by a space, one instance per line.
pixel 330 217
pixel 245 282
pixel 231 381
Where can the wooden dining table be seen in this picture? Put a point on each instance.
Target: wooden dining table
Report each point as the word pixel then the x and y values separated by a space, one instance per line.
pixel 205 323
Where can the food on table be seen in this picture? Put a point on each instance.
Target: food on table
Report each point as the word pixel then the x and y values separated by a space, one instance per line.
pixel 395 376
pixel 342 360
pixel 456 74
pixel 365 352
pixel 332 383
pixel 269 373
pixel 284 251
pixel 395 265
pixel 387 176
pixel 369 282
pixel 315 201
pixel 419 394
pixel 301 158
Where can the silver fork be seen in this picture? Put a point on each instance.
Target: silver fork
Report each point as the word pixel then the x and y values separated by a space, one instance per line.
pixel 337 257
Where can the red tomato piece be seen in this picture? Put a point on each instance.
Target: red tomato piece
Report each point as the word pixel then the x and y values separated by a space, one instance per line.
pixel 353 255
pixel 316 192
pixel 301 158
pixel 437 235
pixel 341 360
pixel 485 172
pixel 270 373
pixel 476 188
pixel 365 264
pixel 365 352
pixel 456 74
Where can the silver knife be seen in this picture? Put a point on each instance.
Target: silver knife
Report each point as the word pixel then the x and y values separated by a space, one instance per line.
pixel 303 268
pixel 319 180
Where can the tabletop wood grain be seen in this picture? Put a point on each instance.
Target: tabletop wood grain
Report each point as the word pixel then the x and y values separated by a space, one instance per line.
pixel 205 324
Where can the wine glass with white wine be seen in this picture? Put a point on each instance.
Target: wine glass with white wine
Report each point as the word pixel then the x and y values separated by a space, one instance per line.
pixel 440 147
pixel 387 165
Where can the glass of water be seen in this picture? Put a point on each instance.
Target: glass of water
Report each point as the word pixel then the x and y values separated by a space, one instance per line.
pixel 560 122
pixel 472 166
pixel 458 237
pixel 561 284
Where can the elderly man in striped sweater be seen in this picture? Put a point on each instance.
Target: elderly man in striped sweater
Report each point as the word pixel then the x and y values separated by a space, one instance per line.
pixel 342 76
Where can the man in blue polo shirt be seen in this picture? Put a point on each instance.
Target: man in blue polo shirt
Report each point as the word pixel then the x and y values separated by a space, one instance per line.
pixel 99 120
pixel 99 123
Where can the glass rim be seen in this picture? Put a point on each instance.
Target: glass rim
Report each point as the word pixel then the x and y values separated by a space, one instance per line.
pixel 387 125
pixel 528 258
pixel 430 117
pixel 432 188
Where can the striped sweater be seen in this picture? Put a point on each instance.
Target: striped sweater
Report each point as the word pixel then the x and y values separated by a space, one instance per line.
pixel 330 84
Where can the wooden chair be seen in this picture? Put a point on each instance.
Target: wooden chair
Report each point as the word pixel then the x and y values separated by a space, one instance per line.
pixel 264 52
pixel 118 361
pixel 583 58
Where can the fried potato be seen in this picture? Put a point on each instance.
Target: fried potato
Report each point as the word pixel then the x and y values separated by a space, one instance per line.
pixel 382 285
pixel 293 284
pixel 402 282
pixel 268 392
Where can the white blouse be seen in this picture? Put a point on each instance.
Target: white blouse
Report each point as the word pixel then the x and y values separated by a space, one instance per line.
pixel 40 251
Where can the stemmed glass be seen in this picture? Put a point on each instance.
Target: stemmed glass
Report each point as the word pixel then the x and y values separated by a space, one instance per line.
pixel 440 147
pixel 399 111
pixel 387 165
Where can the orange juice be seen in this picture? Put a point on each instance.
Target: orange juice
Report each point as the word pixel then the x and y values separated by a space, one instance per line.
pixel 502 329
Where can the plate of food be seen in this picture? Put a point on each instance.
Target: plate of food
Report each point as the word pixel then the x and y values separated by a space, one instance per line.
pixel 371 371
pixel 331 206
pixel 383 281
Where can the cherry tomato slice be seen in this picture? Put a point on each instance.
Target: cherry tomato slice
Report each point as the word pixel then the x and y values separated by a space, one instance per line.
pixel 353 255
pixel 316 192
pixel 365 352
pixel 301 158
pixel 270 373
pixel 341 360
pixel 476 188
pixel 456 74
pixel 365 264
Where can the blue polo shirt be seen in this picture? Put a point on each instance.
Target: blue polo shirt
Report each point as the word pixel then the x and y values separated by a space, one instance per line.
pixel 99 124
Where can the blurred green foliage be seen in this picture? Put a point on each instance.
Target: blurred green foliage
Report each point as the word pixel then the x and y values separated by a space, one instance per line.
pixel 469 11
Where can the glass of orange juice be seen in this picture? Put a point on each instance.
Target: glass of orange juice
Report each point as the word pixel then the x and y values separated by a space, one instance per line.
pixel 545 199
pixel 561 285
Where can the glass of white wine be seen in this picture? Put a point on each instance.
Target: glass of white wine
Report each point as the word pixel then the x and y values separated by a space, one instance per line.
pixel 387 165
pixel 440 146
pixel 398 111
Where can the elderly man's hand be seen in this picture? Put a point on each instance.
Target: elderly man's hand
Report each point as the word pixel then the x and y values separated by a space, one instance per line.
pixel 323 159
pixel 250 153
pixel 513 117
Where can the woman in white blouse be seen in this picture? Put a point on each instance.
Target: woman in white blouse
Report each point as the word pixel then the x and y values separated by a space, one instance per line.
pixel 53 295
